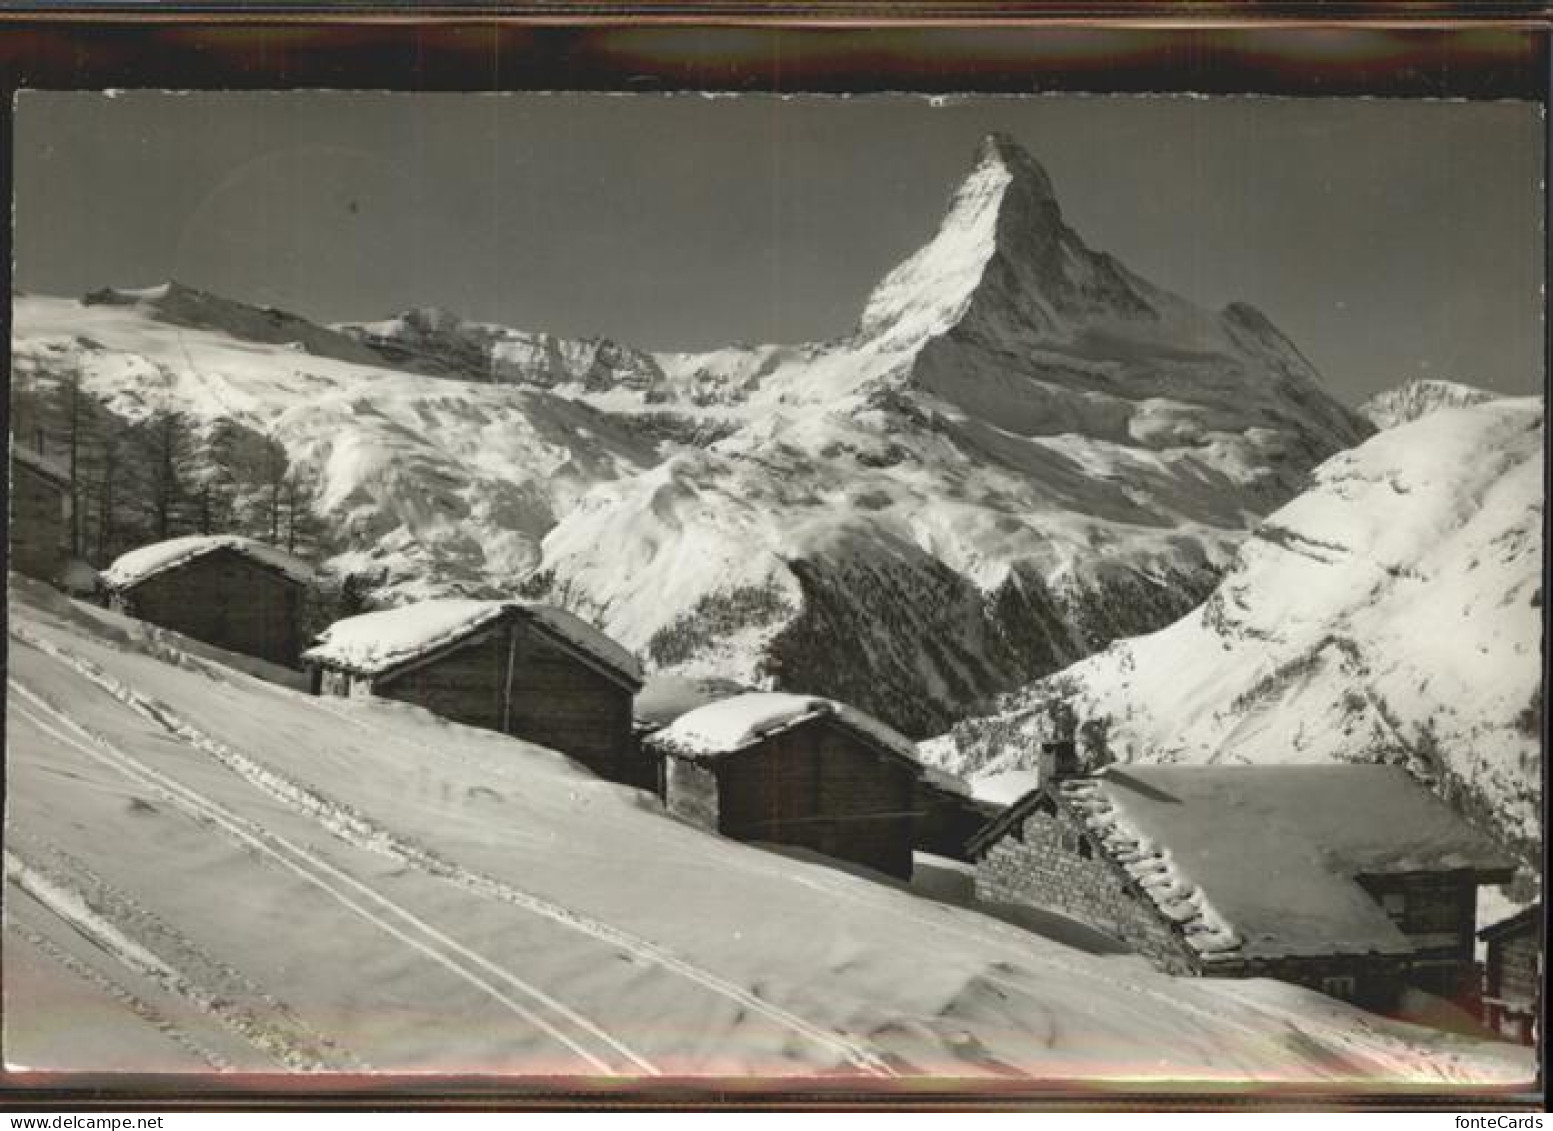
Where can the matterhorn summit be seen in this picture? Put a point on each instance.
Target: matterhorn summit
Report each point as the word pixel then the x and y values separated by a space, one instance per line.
pixel 1003 242
pixel 1024 451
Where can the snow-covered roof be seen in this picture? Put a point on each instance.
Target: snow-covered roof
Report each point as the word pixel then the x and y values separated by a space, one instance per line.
pixel 1526 919
pixel 668 695
pixel 42 464
pixel 731 725
pixel 1005 788
pixel 1261 861
pixel 146 562
pixel 375 643
pixel 944 780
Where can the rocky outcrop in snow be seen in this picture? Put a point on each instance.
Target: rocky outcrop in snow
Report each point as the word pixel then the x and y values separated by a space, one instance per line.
pixel 1391 613
pixel 438 342
pixel 1412 399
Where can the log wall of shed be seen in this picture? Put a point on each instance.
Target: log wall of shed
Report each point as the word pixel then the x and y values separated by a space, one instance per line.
pixel 1512 984
pixel 549 696
pixel 37 529
pixel 817 787
pixel 1437 912
pixel 227 600
pixel 1515 968
pixel 561 702
pixel 464 684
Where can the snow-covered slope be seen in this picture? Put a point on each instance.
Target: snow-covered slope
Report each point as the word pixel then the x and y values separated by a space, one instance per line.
pixel 432 485
pixel 1412 399
pixel 207 872
pixel 1390 613
pixel 1022 452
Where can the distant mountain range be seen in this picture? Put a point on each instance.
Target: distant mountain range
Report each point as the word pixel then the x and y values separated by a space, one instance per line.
pixel 1022 452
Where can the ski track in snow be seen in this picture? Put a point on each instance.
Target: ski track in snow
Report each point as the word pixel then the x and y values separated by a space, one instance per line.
pixel 82 887
pixel 321 874
pixel 361 831
pixel 136 939
pixel 141 1008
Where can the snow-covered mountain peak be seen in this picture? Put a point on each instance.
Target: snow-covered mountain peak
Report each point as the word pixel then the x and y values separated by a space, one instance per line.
pixel 1005 264
pixel 1005 208
pixel 1000 150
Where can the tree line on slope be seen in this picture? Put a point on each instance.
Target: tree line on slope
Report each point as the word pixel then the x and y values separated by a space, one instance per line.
pixel 161 475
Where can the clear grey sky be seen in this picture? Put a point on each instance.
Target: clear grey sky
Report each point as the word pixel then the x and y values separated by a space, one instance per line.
pixel 1389 239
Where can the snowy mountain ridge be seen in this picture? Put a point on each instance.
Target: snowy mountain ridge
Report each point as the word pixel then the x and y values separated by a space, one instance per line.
pixel 1022 452
pixel 1392 613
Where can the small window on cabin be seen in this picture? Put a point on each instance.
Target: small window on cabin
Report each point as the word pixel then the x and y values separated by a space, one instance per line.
pixel 1086 851
pixel 1395 905
pixel 1071 840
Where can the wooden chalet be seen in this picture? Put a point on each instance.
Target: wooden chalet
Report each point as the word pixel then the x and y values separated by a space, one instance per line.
pixel 40 513
pixel 796 770
pixel 532 671
pixel 229 591
pixel 1353 880
pixel 1512 975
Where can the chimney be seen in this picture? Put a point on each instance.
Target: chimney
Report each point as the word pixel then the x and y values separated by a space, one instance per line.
pixel 1058 760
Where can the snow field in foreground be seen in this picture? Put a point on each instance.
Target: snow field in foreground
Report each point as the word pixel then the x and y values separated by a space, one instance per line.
pixel 209 872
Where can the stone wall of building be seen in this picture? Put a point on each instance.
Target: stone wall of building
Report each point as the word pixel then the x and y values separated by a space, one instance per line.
pixel 1049 862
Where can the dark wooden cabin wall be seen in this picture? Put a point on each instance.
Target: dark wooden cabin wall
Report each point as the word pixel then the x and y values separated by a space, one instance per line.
pixel 37 524
pixel 556 700
pixel 464 684
pixel 225 599
pixel 817 787
pixel 561 702
pixel 1437 911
